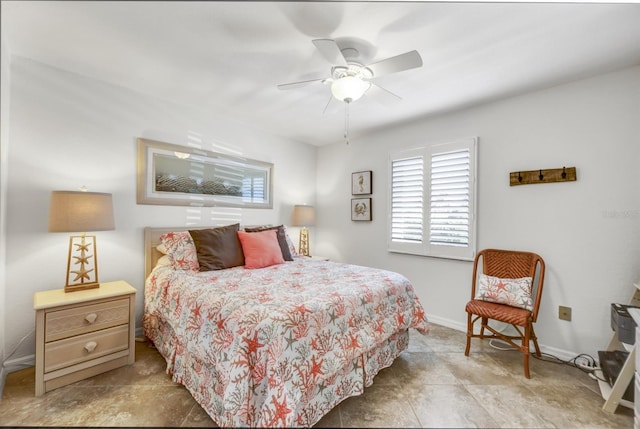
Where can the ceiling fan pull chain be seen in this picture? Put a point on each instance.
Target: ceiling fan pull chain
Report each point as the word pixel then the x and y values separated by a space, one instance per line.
pixel 346 121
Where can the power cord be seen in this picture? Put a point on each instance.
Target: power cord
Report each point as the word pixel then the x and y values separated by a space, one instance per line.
pixel 584 362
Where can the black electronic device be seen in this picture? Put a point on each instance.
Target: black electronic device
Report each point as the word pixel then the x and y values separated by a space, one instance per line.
pixel 611 363
pixel 623 324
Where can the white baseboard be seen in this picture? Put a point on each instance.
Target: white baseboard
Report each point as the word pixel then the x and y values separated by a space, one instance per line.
pixel 13 365
pixel 559 353
pixel 3 378
pixel 447 323
pixel 462 327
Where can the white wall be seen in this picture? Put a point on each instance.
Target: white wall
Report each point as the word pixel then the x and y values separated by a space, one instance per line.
pixel 5 92
pixel 587 231
pixel 68 131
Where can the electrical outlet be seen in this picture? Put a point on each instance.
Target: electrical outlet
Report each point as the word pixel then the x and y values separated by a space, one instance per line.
pixel 564 313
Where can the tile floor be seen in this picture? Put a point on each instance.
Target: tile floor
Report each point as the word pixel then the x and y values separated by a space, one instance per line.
pixel 432 384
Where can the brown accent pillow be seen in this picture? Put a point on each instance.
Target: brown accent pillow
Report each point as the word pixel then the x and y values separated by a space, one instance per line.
pixel 218 248
pixel 282 238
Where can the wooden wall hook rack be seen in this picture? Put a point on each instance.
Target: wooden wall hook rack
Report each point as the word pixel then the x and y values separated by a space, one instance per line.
pixel 564 174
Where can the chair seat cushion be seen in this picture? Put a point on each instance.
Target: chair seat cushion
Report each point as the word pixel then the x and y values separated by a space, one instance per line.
pixel 500 312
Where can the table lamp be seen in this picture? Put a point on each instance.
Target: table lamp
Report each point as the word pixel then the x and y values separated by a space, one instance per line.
pixel 304 216
pixel 80 212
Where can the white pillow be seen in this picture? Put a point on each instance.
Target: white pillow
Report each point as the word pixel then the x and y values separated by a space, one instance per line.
pixel 163 261
pixel 513 292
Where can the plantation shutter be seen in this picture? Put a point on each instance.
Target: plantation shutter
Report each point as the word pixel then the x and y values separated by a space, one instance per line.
pixel 432 196
pixel 449 220
pixel 407 199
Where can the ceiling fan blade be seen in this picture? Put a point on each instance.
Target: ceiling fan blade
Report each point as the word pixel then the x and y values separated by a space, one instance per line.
pixel 382 95
pixel 330 51
pixel 293 85
pixel 402 62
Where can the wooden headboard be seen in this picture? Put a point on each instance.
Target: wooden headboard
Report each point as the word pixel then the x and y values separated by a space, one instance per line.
pixel 152 239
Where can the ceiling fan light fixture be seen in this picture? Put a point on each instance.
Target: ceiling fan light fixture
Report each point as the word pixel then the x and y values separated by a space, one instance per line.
pixel 349 88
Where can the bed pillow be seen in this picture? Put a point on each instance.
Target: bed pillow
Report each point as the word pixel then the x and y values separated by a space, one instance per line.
pixel 261 249
pixel 181 250
pixel 163 261
pixel 282 239
pixel 513 292
pixel 290 245
pixel 218 248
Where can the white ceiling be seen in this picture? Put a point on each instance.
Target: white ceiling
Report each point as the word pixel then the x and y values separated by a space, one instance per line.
pixel 229 56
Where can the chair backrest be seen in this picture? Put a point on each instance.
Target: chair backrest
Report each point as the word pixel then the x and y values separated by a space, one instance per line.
pixel 512 264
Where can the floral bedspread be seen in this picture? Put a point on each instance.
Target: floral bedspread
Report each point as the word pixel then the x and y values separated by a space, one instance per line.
pixel 270 347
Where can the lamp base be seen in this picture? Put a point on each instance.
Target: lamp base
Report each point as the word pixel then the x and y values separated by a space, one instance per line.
pixel 303 247
pixel 82 286
pixel 82 263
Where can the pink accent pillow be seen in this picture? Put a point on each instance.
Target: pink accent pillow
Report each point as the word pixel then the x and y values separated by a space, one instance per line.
pixel 513 292
pixel 261 249
pixel 181 250
pixel 282 238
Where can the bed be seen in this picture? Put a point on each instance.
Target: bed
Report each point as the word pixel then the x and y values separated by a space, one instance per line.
pixel 278 345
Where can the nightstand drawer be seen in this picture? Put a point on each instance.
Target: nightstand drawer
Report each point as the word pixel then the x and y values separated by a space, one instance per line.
pixel 70 351
pixel 86 318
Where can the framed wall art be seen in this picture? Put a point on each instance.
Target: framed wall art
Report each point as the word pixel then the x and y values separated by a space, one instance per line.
pixel 175 175
pixel 361 209
pixel 361 183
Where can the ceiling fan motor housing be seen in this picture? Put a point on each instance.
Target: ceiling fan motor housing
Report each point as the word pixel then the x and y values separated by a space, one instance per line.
pixel 352 69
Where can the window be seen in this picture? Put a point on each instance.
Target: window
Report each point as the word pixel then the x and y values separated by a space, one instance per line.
pixel 432 198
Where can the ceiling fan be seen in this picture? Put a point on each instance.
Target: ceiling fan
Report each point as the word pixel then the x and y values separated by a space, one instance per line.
pixel 349 79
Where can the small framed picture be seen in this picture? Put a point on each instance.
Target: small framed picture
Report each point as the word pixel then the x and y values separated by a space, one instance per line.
pixel 361 209
pixel 361 183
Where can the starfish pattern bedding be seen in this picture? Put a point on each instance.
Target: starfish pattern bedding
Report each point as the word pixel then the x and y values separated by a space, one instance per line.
pixel 279 346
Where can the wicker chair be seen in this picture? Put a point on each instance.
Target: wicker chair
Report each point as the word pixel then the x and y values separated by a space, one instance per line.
pixel 507 264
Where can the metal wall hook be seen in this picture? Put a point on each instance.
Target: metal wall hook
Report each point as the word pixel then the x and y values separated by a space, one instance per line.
pixel 550 175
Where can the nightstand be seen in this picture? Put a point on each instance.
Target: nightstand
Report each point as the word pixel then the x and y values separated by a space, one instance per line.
pixel 84 333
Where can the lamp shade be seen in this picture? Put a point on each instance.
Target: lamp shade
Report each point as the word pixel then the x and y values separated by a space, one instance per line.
pixel 304 215
pixel 349 88
pixel 76 211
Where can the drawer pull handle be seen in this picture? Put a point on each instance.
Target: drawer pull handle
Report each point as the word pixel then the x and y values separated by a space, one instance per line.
pixel 91 318
pixel 90 346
